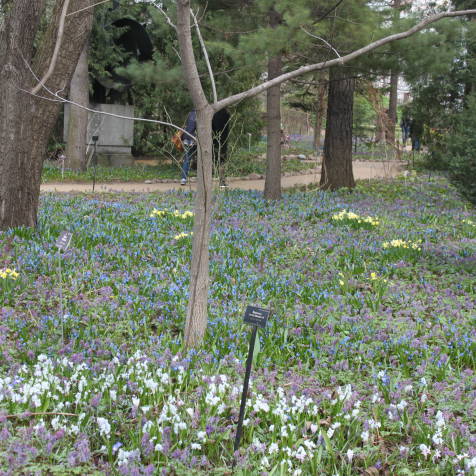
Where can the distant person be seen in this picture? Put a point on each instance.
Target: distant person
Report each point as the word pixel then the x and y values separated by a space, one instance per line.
pixel 416 131
pixel 405 127
pixel 189 145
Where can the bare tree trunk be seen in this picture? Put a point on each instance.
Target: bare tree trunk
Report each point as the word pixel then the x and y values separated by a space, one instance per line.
pixel 337 164
pixel 272 184
pixel 18 198
pixel 26 122
pixel 78 117
pixel 197 315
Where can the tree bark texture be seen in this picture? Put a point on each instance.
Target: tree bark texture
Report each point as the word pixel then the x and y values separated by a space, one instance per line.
pixel 78 117
pixel 272 184
pixel 337 163
pixel 197 312
pixel 26 122
pixel 320 110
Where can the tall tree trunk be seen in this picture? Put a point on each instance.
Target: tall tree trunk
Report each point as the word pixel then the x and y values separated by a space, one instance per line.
pixel 18 195
pixel 26 122
pixel 337 164
pixel 197 313
pixel 272 184
pixel 78 117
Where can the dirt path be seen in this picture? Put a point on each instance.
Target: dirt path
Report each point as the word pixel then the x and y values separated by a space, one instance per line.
pixel 362 170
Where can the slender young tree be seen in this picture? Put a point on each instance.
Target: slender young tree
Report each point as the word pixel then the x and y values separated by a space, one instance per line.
pixel 196 319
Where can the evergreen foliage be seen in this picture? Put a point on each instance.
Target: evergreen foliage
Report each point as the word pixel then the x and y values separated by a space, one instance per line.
pixel 461 144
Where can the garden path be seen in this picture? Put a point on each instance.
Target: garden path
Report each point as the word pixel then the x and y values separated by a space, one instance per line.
pixel 362 170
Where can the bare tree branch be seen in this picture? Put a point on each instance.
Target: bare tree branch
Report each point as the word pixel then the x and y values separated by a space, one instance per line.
pixel 338 61
pixel 54 58
pixel 57 98
pixel 323 40
pixel 87 8
pixel 161 10
pixel 207 59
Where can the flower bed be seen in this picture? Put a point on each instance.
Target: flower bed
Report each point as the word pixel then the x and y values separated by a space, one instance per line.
pixel 367 364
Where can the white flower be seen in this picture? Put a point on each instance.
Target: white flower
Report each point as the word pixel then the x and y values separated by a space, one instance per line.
pixel 135 402
pixel 313 428
pixel 273 448
pixel 373 424
pixel 300 454
pixel 196 446
pixel 350 455
pixel 365 436
pixel 440 419
pixel 437 439
pixel 425 451
pixel 264 462
pixel 408 388
pixel 423 398
pixel 401 406
pixel 297 472
pixel 201 435
pixel 104 427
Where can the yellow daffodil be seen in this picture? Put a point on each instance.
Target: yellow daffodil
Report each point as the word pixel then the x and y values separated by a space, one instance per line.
pixel 402 244
pixel 158 213
pixel 8 273
pixel 182 235
pixel 344 215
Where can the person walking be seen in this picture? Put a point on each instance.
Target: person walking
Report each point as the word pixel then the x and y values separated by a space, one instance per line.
pixel 189 145
pixel 416 131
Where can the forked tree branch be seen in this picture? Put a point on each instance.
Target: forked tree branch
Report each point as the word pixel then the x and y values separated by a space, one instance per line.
pixel 207 59
pixel 338 61
pixel 54 58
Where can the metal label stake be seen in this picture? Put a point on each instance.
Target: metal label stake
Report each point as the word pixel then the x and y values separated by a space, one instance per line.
pixel 257 317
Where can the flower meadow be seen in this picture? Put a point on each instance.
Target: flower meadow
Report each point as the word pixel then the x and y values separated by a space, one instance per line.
pixel 367 366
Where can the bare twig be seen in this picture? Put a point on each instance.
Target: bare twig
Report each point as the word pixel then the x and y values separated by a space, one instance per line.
pixel 161 10
pixel 54 58
pixel 58 98
pixel 207 59
pixel 87 8
pixel 321 39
